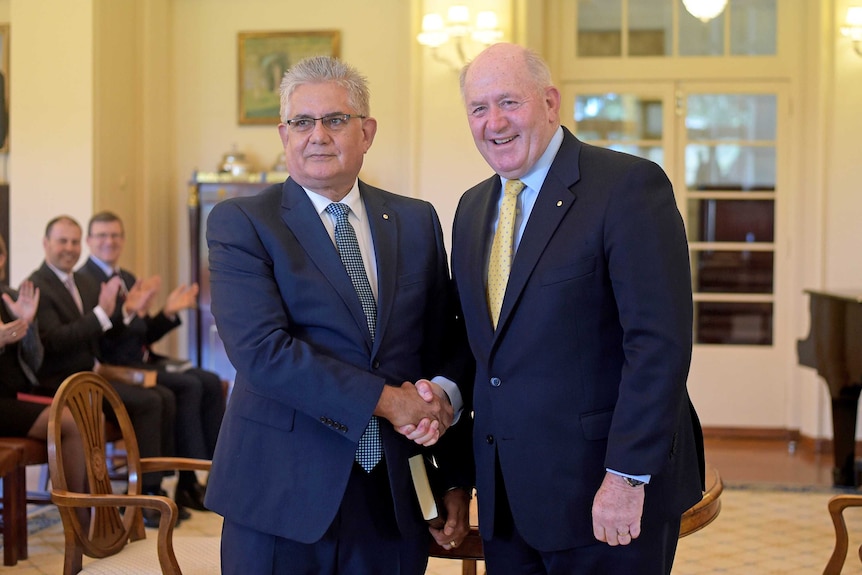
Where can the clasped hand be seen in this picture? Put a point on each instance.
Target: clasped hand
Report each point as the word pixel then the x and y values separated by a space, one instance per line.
pixel 421 412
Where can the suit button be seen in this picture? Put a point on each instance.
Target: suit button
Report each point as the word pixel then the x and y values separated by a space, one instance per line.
pixel 376 364
pixel 489 439
pixel 495 382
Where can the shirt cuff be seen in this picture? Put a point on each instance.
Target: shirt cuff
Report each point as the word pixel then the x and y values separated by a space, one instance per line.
pixel 103 318
pixel 644 478
pixel 451 389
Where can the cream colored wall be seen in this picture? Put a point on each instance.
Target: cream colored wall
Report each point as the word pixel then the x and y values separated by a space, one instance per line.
pixel 51 126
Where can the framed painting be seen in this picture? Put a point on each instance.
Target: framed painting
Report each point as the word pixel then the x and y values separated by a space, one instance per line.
pixel 264 57
pixel 4 88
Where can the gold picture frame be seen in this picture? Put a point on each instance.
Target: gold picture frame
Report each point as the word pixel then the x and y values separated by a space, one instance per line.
pixel 264 57
pixel 4 88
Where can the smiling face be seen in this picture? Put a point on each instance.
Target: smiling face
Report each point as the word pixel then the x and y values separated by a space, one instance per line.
pixel 63 245
pixel 323 161
pixel 106 240
pixel 511 117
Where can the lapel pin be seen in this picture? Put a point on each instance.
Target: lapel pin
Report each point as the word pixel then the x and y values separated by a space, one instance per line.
pixel 385 216
pixel 559 203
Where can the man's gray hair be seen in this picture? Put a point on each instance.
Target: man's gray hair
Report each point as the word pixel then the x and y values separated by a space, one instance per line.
pixel 320 69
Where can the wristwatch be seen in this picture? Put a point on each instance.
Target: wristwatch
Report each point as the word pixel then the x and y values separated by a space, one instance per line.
pixel 632 482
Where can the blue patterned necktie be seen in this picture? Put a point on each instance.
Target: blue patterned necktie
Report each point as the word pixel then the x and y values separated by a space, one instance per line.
pixel 370 451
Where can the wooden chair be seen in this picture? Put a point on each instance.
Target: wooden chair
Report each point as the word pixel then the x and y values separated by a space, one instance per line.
pixel 836 507
pixel 699 516
pixel 116 533
pixel 17 454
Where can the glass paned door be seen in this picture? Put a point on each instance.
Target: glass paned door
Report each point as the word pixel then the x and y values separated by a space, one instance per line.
pixel 730 147
pixel 720 149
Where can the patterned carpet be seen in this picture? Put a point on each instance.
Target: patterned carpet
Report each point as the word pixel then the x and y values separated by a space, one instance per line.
pixel 761 530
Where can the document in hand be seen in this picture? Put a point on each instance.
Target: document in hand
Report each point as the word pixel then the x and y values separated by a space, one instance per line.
pixel 427 501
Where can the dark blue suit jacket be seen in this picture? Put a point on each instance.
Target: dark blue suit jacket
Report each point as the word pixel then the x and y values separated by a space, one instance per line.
pixel 308 375
pixel 587 368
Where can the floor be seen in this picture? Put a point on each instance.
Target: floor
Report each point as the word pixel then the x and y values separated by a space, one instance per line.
pixel 773 519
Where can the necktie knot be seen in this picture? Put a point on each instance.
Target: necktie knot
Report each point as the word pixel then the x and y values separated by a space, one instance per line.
pixel 514 187
pixel 338 210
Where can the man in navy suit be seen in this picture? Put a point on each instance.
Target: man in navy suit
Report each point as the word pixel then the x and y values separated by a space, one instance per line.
pixel 586 445
pixel 327 332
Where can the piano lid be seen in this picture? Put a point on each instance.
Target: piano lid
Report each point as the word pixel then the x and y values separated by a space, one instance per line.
pixel 847 295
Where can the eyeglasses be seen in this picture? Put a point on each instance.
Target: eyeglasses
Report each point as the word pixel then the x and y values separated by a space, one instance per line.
pixel 332 122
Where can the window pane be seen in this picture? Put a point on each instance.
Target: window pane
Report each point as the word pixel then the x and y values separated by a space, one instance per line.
pixel 731 220
pixel 624 117
pixel 733 323
pixel 599 28
pixel 731 117
pixel 654 153
pixel 752 27
pixel 697 38
pixel 729 167
pixel 732 272
pixel 650 27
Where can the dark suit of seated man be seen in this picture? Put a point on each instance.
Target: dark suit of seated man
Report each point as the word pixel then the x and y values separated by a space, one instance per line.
pixel 74 311
pixel 199 394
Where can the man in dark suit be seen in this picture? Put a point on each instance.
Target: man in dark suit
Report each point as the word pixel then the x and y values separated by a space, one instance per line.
pixel 199 394
pixel 328 315
pixel 74 311
pixel 575 289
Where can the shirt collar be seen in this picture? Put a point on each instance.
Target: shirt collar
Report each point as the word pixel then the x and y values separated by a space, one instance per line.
pixel 353 200
pixel 537 174
pixel 109 271
pixel 60 273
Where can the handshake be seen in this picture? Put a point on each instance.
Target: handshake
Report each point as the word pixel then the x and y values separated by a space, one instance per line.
pixel 421 412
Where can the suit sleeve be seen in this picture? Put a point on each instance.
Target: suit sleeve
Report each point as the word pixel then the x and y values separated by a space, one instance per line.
pixel 648 263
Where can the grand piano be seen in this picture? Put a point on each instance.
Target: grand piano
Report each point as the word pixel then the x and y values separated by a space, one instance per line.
pixel 834 348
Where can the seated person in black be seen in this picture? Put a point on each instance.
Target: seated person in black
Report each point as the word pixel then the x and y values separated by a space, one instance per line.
pixel 199 393
pixel 20 356
pixel 74 311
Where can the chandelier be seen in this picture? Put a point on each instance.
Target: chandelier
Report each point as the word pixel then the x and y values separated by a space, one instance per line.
pixel 457 30
pixel 704 10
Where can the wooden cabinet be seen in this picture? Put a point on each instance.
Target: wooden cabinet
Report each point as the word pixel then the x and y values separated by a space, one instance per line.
pixel 206 349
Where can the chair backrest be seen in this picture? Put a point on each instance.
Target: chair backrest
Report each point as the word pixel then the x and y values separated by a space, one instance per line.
pixel 86 395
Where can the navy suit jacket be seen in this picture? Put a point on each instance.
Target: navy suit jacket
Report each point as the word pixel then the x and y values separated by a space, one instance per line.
pixel 587 367
pixel 308 374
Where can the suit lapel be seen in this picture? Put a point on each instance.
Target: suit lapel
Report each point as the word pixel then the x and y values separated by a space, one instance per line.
pixel 477 264
pixel 299 215
pixel 64 298
pixel 384 231
pixel 552 204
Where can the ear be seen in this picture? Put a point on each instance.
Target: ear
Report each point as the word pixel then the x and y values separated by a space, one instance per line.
pixel 369 129
pixel 283 133
pixel 552 100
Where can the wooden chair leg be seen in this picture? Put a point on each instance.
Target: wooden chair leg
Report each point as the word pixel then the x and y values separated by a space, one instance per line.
pixel 14 516
pixel 468 567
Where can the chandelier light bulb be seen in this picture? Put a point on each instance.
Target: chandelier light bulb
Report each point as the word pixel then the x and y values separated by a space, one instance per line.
pixel 705 10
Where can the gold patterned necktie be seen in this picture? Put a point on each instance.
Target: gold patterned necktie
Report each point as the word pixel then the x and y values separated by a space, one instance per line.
pixel 500 261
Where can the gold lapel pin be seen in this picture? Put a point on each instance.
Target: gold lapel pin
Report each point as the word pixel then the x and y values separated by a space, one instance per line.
pixel 385 216
pixel 559 203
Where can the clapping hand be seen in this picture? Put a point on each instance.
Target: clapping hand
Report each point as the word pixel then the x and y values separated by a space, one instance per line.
pixel 183 297
pixel 24 311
